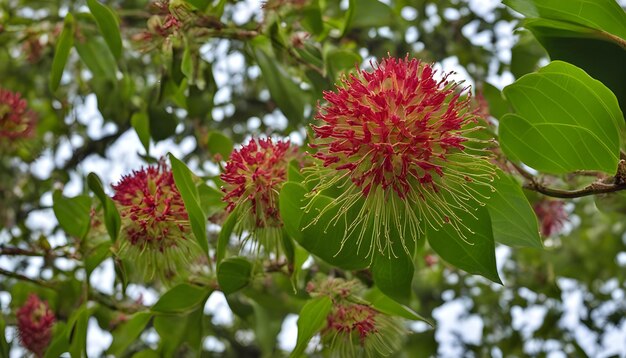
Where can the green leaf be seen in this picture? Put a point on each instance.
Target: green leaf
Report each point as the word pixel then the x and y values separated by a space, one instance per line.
pixel 174 330
pixel 210 199
pixel 287 95
pixel 189 192
pixel 525 55
pixel 162 124
pixel 108 25
pixel 498 106
pixel 312 319
pixel 312 19
pixel 565 121
pixel 62 52
pixel 224 238
pixel 78 334
pixel 59 343
pixel 199 4
pixel 290 204
pixel 604 15
pixel 186 65
pixel 148 353
pixel 141 123
pixel 97 58
pixel 218 143
pixel 112 219
pixel 394 275
pixel 513 220
pixel 126 333
pixel 388 306
pixel 96 256
pixel 4 346
pixel 371 13
pixel 477 254
pixel 233 274
pixel 73 214
pixel 324 237
pixel 339 60
pixel 180 299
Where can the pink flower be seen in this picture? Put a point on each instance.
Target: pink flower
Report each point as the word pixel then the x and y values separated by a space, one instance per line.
pixel 253 177
pixel 552 216
pixel 399 138
pixel 156 235
pixel 16 120
pixel 34 325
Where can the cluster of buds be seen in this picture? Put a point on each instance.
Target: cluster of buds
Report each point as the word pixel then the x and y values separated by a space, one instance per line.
pixel 253 177
pixel 156 235
pixel 34 325
pixel 353 327
pixel 17 122
pixel 395 139
pixel 171 18
pixel 552 216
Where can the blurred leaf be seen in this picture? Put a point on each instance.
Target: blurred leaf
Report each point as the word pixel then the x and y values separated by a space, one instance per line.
pixel 187 65
pixel 112 219
pixel 73 214
pixel 525 55
pixel 224 237
pixel 59 343
pixel 62 52
pixel 108 25
pixel 96 256
pixel 498 106
pixel 78 334
pixel 97 58
pixel 4 346
pixel 126 333
pixel 371 13
pixel 175 330
pixel 199 4
pixel 148 353
pixel 312 319
pixel 180 299
pixel 287 95
pixel 474 254
pixel 388 306
pixel 218 143
pixel 161 123
pixel 233 274
pixel 312 19
pixel 338 60
pixel 189 192
pixel 564 121
pixel 141 124
pixel 211 199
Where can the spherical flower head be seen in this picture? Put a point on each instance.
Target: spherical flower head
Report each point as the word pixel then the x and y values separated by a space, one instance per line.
pixel 353 327
pixel 34 325
pixel 552 216
pixel 253 177
pixel 396 138
pixel 17 122
pixel 156 234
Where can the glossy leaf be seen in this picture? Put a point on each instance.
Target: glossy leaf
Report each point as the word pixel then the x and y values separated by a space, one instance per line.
pixel 391 307
pixel 189 192
pixel 108 25
pixel 62 52
pixel 564 121
pixel 72 213
pixel 476 254
pixel 180 299
pixel 291 203
pixel 112 219
pixel 311 320
pixel 126 333
pixel 233 274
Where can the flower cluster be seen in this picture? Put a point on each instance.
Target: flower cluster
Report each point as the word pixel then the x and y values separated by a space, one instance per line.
pixel 156 235
pixel 552 216
pixel 353 327
pixel 253 177
pixel 17 122
pixel 396 140
pixel 34 325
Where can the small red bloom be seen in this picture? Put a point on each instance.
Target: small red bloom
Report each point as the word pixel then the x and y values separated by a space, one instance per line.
pixel 34 325
pixel 16 120
pixel 155 233
pixel 399 136
pixel 552 216
pixel 253 177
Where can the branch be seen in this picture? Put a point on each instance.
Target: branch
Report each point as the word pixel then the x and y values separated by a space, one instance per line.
pixel 21 277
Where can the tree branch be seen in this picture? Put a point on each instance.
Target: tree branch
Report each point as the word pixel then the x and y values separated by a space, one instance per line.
pixel 21 277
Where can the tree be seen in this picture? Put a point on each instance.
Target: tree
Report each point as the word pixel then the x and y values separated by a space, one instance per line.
pixel 321 164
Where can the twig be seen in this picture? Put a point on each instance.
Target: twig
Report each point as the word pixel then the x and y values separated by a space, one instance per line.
pixel 21 277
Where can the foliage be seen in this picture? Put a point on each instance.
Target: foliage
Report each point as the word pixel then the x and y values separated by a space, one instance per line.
pixel 336 172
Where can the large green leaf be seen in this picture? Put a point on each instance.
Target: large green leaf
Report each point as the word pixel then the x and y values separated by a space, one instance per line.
pixel 176 329
pixel 189 192
pixel 513 220
pixel 108 25
pixel 476 254
pixel 98 59
pixel 371 13
pixel 77 336
pixel 565 121
pixel 290 203
pixel 73 214
pixel 112 219
pixel 233 274
pixel 224 237
pixel 127 332
pixel 141 123
pixel 62 51
pixel 386 305
pixel 181 299
pixel 287 95
pixel 312 319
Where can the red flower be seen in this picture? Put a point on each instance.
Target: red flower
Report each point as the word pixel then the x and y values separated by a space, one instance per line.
pixel 254 175
pixel 155 227
pixel 16 120
pixel 552 216
pixel 34 325
pixel 399 136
